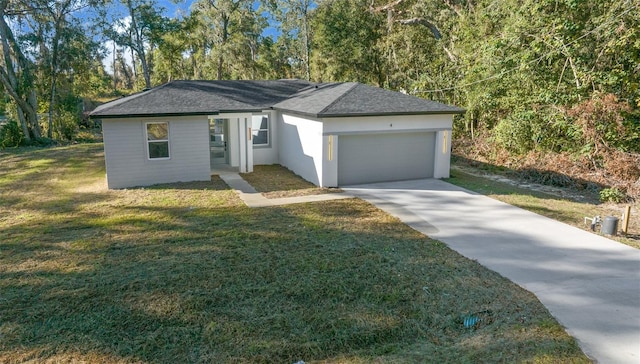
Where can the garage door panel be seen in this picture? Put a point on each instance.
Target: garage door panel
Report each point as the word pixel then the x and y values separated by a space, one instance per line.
pixel 385 157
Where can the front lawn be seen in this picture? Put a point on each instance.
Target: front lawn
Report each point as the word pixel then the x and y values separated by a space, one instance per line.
pixel 186 273
pixel 276 181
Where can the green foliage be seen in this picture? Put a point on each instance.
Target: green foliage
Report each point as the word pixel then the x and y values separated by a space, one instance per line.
pixel 67 125
pixel 4 100
pixel 517 133
pixel 346 35
pixel 41 142
pixel 11 135
pixel 612 195
pixel 629 141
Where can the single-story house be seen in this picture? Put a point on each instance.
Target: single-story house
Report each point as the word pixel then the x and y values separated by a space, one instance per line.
pixel 331 134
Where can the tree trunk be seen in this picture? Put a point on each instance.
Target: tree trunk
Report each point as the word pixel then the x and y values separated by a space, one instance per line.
pixel 23 124
pixel 115 71
pixel 21 92
pixel 54 75
pixel 223 43
pixel 32 113
pixel 307 45
pixel 139 46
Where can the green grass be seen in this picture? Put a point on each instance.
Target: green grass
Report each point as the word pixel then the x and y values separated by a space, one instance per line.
pixel 275 181
pixel 187 273
pixel 561 209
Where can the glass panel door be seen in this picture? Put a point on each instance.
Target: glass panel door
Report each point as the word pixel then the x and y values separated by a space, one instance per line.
pixel 218 141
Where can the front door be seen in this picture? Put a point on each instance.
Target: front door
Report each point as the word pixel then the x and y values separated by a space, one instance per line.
pixel 218 132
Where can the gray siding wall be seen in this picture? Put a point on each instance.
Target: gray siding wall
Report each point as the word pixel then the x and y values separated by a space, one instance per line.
pixel 126 155
pixel 268 154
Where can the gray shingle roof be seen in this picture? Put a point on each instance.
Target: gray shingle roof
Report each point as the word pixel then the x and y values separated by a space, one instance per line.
pixel 201 98
pixel 295 96
pixel 356 99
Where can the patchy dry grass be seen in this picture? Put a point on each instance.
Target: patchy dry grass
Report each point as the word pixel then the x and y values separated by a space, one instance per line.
pixel 276 181
pixel 564 210
pixel 186 273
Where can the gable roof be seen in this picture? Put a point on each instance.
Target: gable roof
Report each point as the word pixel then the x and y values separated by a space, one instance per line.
pixel 335 99
pixel 356 99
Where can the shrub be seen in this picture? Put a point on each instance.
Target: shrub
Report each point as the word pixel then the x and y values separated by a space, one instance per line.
pixel 612 195
pixel 67 125
pixel 41 142
pixel 516 132
pixel 11 135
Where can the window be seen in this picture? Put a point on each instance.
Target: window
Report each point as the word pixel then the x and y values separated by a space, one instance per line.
pixel 260 129
pixel 158 140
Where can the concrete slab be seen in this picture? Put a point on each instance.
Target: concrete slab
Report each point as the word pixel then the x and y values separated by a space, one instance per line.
pixel 590 284
pixel 310 198
pixel 245 191
pixel 253 198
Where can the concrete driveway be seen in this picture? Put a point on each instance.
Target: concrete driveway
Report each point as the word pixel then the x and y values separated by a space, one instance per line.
pixel 590 284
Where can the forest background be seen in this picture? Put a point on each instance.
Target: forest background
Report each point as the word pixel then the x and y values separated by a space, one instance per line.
pixel 551 88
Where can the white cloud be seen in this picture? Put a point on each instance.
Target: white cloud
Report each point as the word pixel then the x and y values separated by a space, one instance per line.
pixel 107 61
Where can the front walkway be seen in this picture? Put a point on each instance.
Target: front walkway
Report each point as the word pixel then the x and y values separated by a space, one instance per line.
pixel 590 284
pixel 253 198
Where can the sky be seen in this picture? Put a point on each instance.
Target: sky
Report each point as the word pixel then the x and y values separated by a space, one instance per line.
pixel 171 10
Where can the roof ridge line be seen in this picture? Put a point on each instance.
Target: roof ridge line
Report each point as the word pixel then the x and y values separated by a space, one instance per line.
pixel 339 97
pixel 134 96
pixel 225 95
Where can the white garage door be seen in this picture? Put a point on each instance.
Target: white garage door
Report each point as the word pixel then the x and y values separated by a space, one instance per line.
pixel 385 157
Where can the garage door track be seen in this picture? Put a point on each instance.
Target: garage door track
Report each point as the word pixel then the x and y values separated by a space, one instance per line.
pixel 589 283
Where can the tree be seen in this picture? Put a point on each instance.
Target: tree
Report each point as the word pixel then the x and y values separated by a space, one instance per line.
pixel 140 31
pixel 232 29
pixel 56 31
pixel 294 17
pixel 169 57
pixel 16 73
pixel 346 42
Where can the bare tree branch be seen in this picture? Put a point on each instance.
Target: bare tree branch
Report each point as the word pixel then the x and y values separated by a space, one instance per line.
pixel 422 21
pixel 389 6
pixel 451 55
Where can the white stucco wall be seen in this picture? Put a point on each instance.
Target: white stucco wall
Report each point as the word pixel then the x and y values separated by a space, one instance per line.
pixel 126 157
pixel 300 146
pixel 440 124
pixel 442 162
pixel 387 124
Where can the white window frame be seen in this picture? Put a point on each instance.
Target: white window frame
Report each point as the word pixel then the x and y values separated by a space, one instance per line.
pixel 268 130
pixel 147 141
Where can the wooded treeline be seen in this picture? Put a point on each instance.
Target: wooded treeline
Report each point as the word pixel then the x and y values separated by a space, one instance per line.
pixel 547 84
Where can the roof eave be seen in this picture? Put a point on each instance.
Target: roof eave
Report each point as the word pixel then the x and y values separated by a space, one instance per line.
pixel 154 115
pixel 344 115
pixel 294 112
pixel 157 115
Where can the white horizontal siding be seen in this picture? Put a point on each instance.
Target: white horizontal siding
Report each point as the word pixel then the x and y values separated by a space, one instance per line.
pixel 126 156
